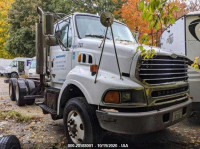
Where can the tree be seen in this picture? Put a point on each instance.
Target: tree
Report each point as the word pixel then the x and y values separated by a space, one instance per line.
pixel 96 6
pixel 5 5
pixel 132 16
pixel 158 13
pixel 22 18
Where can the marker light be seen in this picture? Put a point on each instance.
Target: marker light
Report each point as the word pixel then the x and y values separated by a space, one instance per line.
pixel 79 58
pixel 112 97
pixel 93 68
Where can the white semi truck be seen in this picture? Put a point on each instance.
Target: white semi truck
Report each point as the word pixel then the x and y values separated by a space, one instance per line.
pixel 116 90
pixel 183 38
pixel 18 66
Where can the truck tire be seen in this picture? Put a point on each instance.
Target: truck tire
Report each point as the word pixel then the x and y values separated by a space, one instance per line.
pixel 14 75
pixel 31 86
pixel 12 86
pixel 80 122
pixel 9 142
pixel 20 91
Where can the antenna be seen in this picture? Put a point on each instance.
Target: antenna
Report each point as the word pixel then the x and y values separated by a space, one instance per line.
pixel 106 19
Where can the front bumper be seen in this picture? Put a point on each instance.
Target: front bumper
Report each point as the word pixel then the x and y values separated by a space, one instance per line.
pixel 142 122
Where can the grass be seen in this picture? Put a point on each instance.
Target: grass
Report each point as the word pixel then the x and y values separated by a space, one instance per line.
pixel 16 116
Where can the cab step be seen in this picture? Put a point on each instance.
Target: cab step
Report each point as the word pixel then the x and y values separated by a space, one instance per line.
pixel 46 108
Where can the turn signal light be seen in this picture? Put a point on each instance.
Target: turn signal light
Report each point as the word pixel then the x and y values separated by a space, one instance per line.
pixel 93 68
pixel 79 58
pixel 112 97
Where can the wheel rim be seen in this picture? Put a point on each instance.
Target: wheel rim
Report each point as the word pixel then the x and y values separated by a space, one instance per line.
pixel 17 92
pixel 75 127
pixel 10 90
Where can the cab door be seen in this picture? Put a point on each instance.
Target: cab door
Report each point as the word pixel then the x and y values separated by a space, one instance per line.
pixel 60 55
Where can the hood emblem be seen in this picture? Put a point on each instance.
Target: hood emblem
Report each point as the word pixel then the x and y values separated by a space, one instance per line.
pixel 174 56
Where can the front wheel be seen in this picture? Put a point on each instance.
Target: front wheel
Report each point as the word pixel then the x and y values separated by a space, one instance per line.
pixel 80 122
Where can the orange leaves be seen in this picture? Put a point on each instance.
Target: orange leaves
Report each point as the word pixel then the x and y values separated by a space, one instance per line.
pixel 132 16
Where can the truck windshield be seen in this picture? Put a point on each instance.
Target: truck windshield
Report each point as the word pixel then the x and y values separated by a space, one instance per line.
pixel 33 64
pixel 91 27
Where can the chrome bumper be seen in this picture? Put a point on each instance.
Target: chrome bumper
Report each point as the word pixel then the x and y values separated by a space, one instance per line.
pixel 141 122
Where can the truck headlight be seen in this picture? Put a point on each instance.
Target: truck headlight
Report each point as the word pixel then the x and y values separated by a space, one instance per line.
pixel 125 97
pixel 129 96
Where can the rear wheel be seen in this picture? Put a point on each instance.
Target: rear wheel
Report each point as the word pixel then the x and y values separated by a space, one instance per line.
pixel 80 122
pixel 20 91
pixel 9 142
pixel 30 86
pixel 12 86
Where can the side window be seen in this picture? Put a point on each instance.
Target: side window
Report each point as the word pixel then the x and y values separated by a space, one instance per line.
pixel 69 36
pixel 63 31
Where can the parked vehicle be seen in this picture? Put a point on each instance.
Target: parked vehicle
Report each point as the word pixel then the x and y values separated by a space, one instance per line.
pixel 32 69
pixel 18 66
pixel 3 64
pixel 123 93
pixel 183 38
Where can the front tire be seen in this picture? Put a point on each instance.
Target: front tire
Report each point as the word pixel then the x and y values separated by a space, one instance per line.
pixel 80 122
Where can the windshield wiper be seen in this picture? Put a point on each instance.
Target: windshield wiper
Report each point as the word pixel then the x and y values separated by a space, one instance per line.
pixel 97 36
pixel 125 40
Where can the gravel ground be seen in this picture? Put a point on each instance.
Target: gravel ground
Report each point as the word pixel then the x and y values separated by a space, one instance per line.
pixel 40 131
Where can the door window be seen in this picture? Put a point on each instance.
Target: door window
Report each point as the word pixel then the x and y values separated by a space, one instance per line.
pixel 63 31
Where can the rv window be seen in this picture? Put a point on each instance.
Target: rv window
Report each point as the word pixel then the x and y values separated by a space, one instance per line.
pixel 13 64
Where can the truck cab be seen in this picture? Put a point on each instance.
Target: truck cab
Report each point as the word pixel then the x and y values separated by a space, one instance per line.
pixel 18 66
pixel 152 95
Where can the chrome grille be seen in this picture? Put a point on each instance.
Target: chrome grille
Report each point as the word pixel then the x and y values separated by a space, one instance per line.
pixel 163 69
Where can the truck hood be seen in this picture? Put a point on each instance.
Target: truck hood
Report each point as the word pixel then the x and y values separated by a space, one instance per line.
pixel 127 53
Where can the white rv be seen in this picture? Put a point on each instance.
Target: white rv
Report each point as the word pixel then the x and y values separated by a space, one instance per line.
pixel 3 64
pixel 18 66
pixel 183 38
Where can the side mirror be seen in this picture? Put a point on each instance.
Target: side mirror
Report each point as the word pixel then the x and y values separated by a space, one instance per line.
pixel 50 40
pixel 48 24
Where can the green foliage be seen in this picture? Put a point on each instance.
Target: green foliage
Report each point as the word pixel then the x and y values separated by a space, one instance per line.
pixel 22 18
pixel 147 54
pixel 157 12
pixel 95 6
pixel 22 42
pixel 195 64
pixel 15 116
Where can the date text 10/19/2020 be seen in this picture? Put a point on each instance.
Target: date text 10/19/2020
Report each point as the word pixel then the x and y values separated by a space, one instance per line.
pixel 98 145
